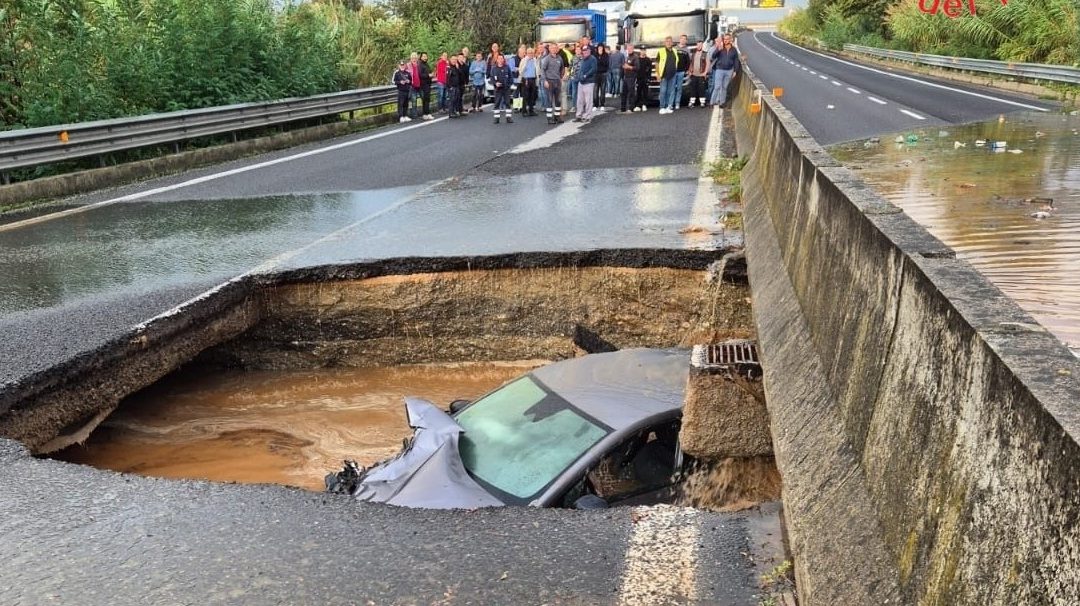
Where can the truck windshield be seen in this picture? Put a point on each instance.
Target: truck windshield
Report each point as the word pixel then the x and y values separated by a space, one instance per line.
pixel 519 438
pixel 651 31
pixel 561 32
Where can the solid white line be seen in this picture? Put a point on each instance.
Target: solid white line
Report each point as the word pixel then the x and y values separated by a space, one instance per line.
pixel 214 176
pixel 661 557
pixel 704 213
pixel 910 79
pixel 912 114
pixel 876 100
pixel 853 90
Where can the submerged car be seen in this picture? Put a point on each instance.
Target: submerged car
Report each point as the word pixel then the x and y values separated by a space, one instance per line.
pixel 590 432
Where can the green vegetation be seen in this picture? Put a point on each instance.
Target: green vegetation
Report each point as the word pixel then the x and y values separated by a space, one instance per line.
pixel 777 582
pixel 77 60
pixel 1037 31
pixel 728 171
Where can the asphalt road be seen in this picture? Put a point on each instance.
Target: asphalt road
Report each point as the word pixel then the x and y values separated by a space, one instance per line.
pixel 866 100
pixel 75 535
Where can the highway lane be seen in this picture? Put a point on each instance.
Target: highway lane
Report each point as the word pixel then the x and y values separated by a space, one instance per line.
pixel 866 100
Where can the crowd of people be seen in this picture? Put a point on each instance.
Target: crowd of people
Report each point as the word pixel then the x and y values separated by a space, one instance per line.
pixel 557 77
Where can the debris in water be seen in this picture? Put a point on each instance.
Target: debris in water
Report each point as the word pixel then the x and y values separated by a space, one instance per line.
pixel 943 133
pixel 1039 200
pixel 958 145
pixel 732 484
pixel 1039 134
pixel 899 139
pixel 1016 151
pixel 875 139
pixel 912 138
pixel 967 185
pixel 1042 214
pixel 999 145
pixel 980 142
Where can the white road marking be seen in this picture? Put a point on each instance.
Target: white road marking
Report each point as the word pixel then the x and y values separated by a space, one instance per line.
pixel 836 83
pixel 813 73
pixel 704 212
pixel 823 77
pixel 853 90
pixel 549 138
pixel 805 69
pixel 661 557
pixel 912 114
pixel 215 176
pixel 876 100
pixel 910 79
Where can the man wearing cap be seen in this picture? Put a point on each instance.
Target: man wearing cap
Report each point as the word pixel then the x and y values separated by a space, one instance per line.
pixel 628 80
pixel 403 82
pixel 551 74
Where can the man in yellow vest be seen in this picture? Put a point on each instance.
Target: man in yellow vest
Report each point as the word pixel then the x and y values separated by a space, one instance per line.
pixel 667 65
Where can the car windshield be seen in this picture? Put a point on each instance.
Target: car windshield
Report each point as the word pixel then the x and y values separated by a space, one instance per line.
pixel 561 32
pixel 652 30
pixel 520 437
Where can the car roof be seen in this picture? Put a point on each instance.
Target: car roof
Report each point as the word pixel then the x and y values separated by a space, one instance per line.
pixel 621 388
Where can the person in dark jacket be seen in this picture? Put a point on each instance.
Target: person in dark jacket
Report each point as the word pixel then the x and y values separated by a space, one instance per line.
pixel 628 81
pixel 403 83
pixel 425 87
pixel 454 86
pixel 463 72
pixel 501 80
pixel 644 74
pixel 724 64
pixel 586 79
pixel 684 50
pixel 602 66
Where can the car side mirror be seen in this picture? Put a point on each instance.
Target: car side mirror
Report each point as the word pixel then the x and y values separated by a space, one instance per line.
pixel 590 501
pixel 458 405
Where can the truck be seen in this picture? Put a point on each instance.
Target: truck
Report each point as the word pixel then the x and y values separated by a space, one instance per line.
pixel 616 12
pixel 570 25
pixel 648 22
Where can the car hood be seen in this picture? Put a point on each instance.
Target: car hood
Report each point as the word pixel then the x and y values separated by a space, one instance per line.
pixel 429 471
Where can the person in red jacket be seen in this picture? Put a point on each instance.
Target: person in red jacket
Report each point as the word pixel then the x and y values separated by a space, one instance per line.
pixel 440 81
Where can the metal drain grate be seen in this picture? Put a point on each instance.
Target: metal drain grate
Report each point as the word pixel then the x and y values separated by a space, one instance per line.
pixel 737 356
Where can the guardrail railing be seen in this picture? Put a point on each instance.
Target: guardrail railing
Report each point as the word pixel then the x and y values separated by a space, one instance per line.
pixel 50 144
pixel 1034 71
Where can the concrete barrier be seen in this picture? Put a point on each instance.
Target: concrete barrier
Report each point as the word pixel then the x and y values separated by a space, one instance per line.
pixel 925 427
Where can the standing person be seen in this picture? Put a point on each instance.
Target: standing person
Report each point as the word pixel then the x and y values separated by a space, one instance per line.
pixel 724 62
pixel 501 81
pixel 667 65
pixel 463 77
pixel 403 82
pixel 615 73
pixel 680 71
pixel 698 71
pixel 567 54
pixel 478 71
pixel 414 72
pixel 551 71
pixel 629 69
pixel 529 71
pixel 441 72
pixel 586 78
pixel 602 66
pixel 541 92
pixel 425 87
pixel 644 74
pixel 575 83
pixel 455 84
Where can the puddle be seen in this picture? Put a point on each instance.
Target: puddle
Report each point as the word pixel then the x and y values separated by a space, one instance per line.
pixel 973 199
pixel 280 427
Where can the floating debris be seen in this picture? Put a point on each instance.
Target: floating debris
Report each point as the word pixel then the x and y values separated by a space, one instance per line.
pixel 980 142
pixel 913 138
pixel 958 145
pixel 899 139
pixel 943 133
pixel 1039 134
pixel 999 145
pixel 1016 151
pixel 968 185
pixel 1040 215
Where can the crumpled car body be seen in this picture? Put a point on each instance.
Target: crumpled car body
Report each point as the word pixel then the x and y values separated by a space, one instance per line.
pixel 602 424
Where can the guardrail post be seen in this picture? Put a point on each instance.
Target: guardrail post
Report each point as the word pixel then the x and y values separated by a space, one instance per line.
pixel 5 178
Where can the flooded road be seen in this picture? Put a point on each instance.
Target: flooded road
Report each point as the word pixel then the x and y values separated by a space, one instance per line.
pixel 980 201
pixel 275 427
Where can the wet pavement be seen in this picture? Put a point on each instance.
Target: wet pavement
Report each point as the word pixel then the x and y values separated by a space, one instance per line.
pixel 980 201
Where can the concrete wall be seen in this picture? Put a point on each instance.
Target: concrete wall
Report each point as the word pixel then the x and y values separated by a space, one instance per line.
pixel 925 427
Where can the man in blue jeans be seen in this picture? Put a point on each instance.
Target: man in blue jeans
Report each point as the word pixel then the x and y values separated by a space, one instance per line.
pixel 724 60
pixel 667 65
pixel 680 70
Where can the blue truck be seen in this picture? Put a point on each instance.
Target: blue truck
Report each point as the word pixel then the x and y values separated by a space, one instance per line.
pixel 570 25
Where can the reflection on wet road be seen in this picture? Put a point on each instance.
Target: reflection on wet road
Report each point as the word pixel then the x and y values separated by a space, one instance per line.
pixel 148 246
pixel 281 427
pixel 980 202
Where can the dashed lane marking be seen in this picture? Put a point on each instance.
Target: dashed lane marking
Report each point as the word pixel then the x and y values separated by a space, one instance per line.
pixel 912 114
pixel 876 100
pixel 836 83
pixel 908 78
pixel 854 90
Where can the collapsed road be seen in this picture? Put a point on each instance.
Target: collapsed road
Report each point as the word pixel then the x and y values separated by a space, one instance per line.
pixel 158 272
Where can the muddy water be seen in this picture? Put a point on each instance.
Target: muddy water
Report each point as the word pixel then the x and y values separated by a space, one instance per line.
pixel 973 199
pixel 274 427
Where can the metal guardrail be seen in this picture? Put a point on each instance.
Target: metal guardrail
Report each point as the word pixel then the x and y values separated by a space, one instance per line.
pixel 1034 71
pixel 46 145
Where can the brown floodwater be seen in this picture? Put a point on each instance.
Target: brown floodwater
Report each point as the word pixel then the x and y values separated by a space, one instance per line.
pixel 973 198
pixel 280 427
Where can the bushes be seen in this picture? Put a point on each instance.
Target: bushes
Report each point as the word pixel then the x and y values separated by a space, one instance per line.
pixel 1039 31
pixel 78 60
